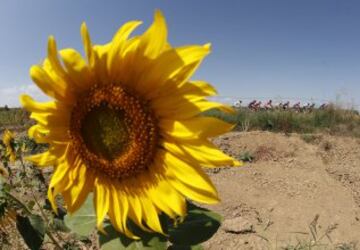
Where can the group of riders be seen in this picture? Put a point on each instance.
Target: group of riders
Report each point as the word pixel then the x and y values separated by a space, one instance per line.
pixel 297 107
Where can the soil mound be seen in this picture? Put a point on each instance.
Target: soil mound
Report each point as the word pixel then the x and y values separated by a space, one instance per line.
pixel 295 191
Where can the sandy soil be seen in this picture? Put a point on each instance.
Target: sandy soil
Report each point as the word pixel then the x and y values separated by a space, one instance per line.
pixel 271 202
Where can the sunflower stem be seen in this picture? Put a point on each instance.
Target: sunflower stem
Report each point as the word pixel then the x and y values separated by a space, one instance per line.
pixel 23 165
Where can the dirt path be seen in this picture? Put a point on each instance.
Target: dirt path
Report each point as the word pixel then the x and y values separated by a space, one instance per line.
pixel 271 202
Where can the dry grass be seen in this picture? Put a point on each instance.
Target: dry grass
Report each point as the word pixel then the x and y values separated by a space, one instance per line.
pixel 14 119
pixel 333 120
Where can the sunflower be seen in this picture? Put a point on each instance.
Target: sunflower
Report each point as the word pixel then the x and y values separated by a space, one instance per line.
pixel 124 124
pixel 8 140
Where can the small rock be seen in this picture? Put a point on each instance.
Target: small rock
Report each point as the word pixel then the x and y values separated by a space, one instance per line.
pixel 238 225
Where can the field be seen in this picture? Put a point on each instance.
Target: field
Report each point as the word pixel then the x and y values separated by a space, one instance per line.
pixel 334 121
pixel 299 188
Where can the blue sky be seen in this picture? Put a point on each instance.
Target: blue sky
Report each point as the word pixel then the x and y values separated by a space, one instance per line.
pixel 266 49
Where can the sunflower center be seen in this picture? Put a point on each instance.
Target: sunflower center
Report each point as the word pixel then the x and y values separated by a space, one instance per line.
pixel 104 132
pixel 114 132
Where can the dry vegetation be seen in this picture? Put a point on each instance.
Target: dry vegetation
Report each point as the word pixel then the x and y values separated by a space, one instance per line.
pixel 14 119
pixel 332 120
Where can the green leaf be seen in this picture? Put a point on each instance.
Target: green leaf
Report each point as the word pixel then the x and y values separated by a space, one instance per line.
pixel 32 229
pixel 115 240
pixel 38 223
pixel 246 157
pixel 82 221
pixel 198 226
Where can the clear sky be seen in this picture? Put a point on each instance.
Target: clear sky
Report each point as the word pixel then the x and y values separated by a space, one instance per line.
pixel 266 49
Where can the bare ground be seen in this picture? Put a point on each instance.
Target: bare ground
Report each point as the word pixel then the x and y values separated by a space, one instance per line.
pixel 271 202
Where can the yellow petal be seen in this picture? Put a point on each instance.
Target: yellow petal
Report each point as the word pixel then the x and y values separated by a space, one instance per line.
pixel 133 66
pixel 55 119
pixel 82 185
pixel 58 182
pixel 117 46
pixel 77 69
pixel 51 88
pixel 87 45
pixel 173 101
pixel 118 212
pixel 114 216
pixel 151 215
pixel 154 40
pixel 55 135
pixel 60 172
pixel 136 211
pixel 157 72
pixel 77 168
pixel 48 158
pixel 33 106
pixel 100 69
pixel 191 181
pixel 196 88
pixel 54 60
pixel 172 67
pixel 167 199
pixel 193 53
pixel 192 90
pixel 187 108
pixel 64 166
pixel 124 212
pixel 61 79
pixel 114 212
pixel 192 56
pixel 194 128
pixel 101 200
pixel 201 151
